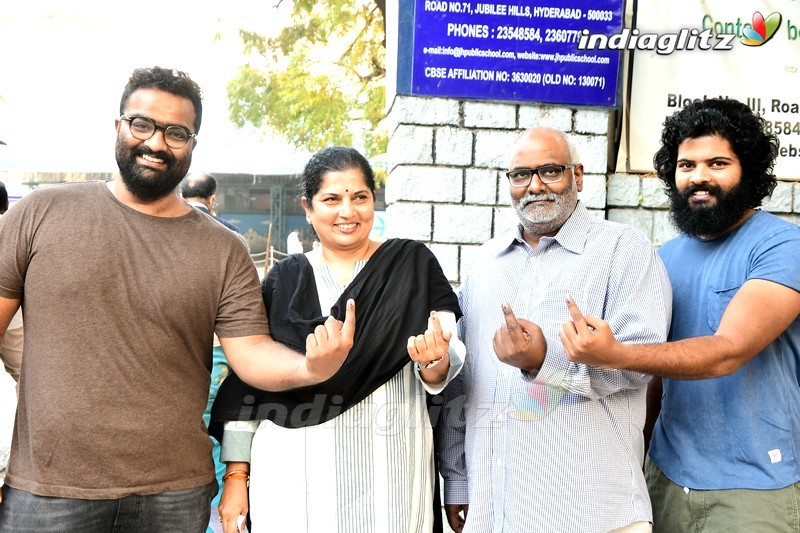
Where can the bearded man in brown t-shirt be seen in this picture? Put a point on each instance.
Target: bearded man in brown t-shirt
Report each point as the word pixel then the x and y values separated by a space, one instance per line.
pixel 115 371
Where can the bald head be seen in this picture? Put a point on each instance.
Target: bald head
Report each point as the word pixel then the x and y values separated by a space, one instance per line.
pixel 199 188
pixel 535 136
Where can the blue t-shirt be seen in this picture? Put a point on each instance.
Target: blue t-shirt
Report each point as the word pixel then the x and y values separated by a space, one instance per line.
pixel 741 430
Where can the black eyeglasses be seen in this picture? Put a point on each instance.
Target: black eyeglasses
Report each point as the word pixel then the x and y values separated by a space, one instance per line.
pixel 143 128
pixel 521 177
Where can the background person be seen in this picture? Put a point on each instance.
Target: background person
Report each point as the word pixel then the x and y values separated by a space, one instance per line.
pixel 293 243
pixel 357 451
pixel 200 191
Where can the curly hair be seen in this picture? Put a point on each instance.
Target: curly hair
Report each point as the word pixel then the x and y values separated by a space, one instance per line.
pixel 334 159
pixel 169 80
pixel 733 121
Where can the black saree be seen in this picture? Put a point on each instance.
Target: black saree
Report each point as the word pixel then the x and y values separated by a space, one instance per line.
pixel 394 294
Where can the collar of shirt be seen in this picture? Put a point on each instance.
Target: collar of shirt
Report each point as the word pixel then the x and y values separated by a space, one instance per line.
pixel 199 206
pixel 572 235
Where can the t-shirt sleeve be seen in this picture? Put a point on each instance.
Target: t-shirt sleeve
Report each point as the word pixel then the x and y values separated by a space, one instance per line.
pixel 778 259
pixel 241 310
pixel 16 226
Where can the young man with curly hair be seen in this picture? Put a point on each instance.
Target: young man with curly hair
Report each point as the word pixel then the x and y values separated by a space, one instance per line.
pixel 723 453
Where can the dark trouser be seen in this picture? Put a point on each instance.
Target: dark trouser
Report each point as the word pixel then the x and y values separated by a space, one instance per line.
pixel 179 511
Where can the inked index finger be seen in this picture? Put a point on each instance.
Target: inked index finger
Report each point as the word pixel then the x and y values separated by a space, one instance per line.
pixel 434 323
pixel 349 325
pixel 510 318
pixel 577 316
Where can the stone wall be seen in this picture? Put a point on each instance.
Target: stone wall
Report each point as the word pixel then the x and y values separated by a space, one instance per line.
pixel 446 184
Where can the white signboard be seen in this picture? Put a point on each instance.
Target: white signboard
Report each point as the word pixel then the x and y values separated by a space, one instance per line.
pixel 749 51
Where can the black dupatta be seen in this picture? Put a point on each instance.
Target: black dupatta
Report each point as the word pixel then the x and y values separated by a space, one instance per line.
pixel 394 294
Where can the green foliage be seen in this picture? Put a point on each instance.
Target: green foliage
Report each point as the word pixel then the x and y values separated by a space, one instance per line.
pixel 320 81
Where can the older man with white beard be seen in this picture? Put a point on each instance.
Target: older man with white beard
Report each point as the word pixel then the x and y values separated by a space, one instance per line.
pixel 529 441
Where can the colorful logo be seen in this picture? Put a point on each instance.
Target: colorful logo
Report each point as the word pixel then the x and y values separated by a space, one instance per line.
pixel 539 402
pixel 763 29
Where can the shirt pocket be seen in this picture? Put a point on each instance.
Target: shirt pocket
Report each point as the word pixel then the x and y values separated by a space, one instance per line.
pixel 718 300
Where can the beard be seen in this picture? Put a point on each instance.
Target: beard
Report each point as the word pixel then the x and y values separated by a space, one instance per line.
pixel 144 183
pixel 545 220
pixel 708 220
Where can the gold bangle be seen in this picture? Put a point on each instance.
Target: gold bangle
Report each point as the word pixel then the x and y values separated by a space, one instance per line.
pixel 236 474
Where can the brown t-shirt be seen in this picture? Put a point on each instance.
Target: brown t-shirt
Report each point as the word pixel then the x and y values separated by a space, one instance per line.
pixel 120 310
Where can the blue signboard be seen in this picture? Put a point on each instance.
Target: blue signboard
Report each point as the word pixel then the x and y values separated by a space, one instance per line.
pixel 511 50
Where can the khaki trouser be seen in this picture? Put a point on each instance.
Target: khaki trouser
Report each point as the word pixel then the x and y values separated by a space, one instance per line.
pixel 679 509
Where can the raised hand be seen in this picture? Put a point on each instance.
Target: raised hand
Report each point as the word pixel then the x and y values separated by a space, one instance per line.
pixel 519 343
pixel 328 346
pixel 588 339
pixel 430 350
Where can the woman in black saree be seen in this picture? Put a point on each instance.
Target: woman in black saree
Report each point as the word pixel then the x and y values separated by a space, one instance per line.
pixel 354 453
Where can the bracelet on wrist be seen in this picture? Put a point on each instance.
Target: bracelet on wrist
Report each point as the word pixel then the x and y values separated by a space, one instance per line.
pixel 429 364
pixel 236 474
